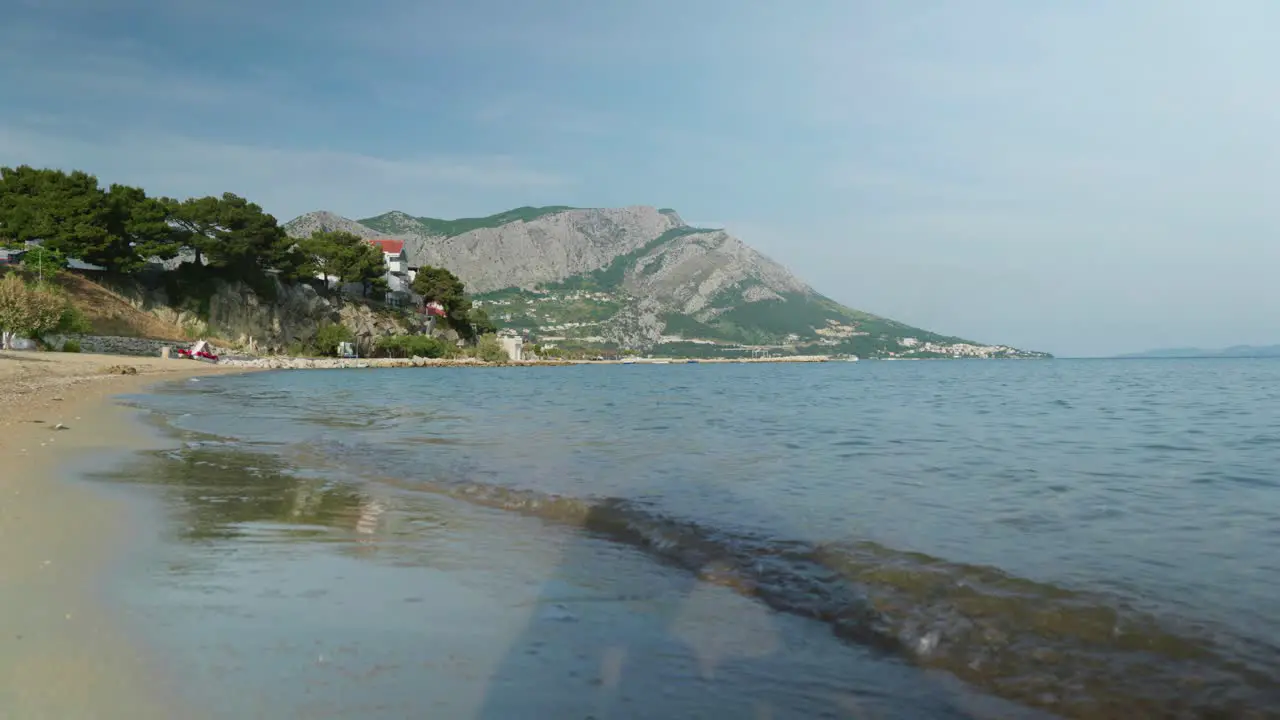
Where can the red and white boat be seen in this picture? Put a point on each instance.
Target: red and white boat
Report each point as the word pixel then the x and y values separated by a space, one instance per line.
pixel 199 351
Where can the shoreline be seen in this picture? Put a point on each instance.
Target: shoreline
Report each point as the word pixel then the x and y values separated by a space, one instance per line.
pixel 304 363
pixel 63 652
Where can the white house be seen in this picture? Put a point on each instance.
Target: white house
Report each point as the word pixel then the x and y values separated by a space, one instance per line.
pixel 393 254
pixel 399 277
pixel 513 344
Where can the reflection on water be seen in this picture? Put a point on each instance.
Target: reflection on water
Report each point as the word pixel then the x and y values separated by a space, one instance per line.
pixel 296 594
pixel 224 491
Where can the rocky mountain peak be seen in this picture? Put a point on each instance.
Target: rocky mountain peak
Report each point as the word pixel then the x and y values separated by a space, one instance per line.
pixel 639 277
pixel 325 221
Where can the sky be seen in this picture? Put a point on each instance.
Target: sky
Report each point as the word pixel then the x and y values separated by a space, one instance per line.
pixel 1081 177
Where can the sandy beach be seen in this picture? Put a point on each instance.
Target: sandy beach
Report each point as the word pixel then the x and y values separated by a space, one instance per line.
pixel 61 654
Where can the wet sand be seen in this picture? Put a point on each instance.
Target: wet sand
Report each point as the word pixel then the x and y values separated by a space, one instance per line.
pixel 61 652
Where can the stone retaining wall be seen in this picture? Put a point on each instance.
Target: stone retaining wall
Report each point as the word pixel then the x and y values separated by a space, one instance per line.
pixel 113 345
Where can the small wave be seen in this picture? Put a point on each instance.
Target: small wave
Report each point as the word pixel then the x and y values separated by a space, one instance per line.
pixel 1165 447
pixel 1076 654
pixel 1265 440
pixel 1214 478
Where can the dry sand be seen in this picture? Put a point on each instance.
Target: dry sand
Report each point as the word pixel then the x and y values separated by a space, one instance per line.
pixel 62 655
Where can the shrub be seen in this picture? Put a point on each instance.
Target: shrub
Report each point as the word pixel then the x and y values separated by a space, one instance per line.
pixel 329 335
pixel 74 322
pixel 414 345
pixel 26 310
pixel 71 345
pixel 43 260
pixel 489 349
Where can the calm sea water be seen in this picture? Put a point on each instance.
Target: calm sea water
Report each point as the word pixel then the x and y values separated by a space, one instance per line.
pixel 1091 538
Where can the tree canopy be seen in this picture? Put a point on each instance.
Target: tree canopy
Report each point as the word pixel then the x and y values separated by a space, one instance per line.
pixel 345 257
pixel 44 260
pixel 231 233
pixel 69 215
pixel 436 284
pixel 481 324
pixel 121 228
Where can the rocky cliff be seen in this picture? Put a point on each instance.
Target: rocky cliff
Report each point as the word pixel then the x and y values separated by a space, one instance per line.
pixel 235 313
pixel 640 278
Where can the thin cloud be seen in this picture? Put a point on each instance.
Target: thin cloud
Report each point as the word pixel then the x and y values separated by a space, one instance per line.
pixel 118 72
pixel 528 111
pixel 286 181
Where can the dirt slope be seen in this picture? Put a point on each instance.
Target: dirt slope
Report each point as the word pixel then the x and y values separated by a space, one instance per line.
pixel 111 314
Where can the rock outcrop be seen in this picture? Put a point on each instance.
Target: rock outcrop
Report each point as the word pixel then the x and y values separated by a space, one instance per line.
pixel 240 316
pixel 691 272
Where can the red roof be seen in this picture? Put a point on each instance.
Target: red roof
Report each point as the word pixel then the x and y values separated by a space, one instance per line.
pixel 390 247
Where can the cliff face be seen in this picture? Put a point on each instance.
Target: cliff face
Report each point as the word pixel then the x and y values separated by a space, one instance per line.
pixel 237 314
pixel 520 253
pixel 692 271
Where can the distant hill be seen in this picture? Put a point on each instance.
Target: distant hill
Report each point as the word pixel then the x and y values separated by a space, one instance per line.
pixel 1236 351
pixel 640 278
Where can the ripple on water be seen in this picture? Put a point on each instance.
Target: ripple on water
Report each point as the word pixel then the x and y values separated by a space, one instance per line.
pixel 1021 639
pixel 1153 478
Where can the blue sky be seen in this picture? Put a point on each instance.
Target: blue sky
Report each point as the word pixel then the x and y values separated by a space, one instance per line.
pixel 1081 177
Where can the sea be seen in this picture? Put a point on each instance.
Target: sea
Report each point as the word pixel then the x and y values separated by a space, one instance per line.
pixel 932 539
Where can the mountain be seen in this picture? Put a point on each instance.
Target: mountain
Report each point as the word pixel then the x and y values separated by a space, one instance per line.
pixel 1236 351
pixel 640 278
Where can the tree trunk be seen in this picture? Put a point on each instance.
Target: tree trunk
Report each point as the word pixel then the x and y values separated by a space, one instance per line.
pixel 6 342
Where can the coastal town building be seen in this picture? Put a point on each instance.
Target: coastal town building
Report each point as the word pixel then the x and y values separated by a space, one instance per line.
pixel 398 276
pixel 513 344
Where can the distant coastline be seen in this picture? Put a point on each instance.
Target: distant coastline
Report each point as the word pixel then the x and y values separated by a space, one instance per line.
pixel 1235 351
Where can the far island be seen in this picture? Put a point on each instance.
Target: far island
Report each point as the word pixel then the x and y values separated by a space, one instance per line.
pixel 1235 351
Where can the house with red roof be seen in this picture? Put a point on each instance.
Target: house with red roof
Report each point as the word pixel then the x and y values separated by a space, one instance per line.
pixel 399 276
pixel 393 253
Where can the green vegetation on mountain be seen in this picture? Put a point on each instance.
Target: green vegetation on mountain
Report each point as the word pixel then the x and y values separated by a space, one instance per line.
pixel 386 222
